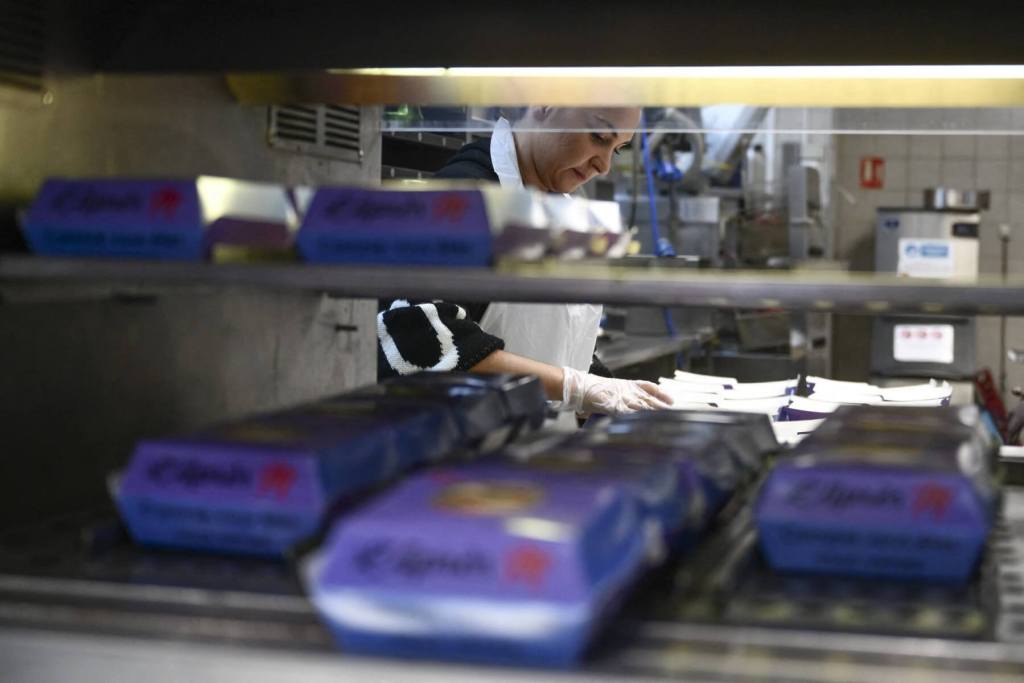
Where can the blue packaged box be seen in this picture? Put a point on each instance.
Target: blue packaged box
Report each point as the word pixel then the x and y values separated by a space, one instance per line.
pixel 881 492
pixel 700 456
pixel 484 563
pixel 437 434
pixel 259 486
pixel 750 434
pixel 492 409
pixel 669 496
pixel 396 227
pixel 159 219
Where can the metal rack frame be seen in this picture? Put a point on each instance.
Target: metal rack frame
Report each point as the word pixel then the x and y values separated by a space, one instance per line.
pixel 562 282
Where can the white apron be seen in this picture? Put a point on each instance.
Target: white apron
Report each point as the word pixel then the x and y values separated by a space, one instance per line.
pixel 557 334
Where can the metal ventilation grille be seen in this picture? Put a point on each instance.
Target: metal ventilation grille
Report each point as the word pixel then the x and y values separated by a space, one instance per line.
pixel 318 130
pixel 21 44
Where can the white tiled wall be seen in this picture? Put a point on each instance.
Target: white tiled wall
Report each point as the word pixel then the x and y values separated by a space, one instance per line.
pixel 915 162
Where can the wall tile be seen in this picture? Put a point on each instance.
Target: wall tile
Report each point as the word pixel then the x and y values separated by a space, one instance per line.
pixel 999 207
pixel 1016 249
pixel 958 147
pixel 987 344
pixel 859 145
pixel 893 146
pixel 896 174
pixel 994 147
pixel 924 173
pixel 1017 215
pixel 959 174
pixel 849 171
pixel 889 197
pixel 990 248
pixel 993 175
pixel 1015 181
pixel 1017 146
pixel 925 146
pixel 958 118
pixel 1000 118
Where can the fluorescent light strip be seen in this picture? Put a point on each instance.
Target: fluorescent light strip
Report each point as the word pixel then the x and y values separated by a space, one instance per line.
pixel 936 72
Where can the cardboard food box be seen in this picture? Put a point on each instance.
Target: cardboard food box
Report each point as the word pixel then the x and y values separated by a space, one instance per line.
pixel 260 485
pixel 173 219
pixel 482 562
pixel 881 492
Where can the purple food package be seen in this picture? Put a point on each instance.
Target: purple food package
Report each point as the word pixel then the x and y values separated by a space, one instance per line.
pixel 701 457
pixel 492 409
pixel 259 486
pixel 669 496
pixel 749 436
pixel 429 430
pixel 161 219
pixel 880 492
pixel 157 219
pixel 483 562
pixel 396 227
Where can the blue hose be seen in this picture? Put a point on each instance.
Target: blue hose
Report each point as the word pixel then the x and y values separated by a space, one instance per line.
pixel 662 247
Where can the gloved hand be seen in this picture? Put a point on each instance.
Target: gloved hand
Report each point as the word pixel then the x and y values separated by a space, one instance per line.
pixel 587 393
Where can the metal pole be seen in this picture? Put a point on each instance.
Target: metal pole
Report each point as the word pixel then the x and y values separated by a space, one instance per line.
pixel 1004 239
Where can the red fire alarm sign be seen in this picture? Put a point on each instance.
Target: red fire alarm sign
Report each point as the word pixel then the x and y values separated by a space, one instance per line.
pixel 872 172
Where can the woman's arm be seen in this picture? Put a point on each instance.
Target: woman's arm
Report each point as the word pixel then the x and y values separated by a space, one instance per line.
pixel 502 361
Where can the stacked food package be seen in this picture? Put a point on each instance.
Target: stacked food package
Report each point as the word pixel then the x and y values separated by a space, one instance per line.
pixel 224 219
pixel 903 493
pixel 431 535
pixel 262 484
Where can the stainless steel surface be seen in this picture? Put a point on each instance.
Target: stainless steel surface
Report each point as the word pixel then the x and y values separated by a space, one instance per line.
pixel 561 282
pixel 949 198
pixel 893 225
pixel 77 602
pixel 31 656
pixel 628 351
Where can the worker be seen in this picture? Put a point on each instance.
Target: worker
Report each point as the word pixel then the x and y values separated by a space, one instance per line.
pixel 550 149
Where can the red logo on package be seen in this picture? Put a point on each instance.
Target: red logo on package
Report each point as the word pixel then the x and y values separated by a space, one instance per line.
pixel 932 499
pixel 527 564
pixel 872 172
pixel 277 479
pixel 451 207
pixel 165 202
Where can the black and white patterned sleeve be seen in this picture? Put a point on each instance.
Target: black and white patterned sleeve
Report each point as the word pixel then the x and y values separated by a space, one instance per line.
pixel 433 335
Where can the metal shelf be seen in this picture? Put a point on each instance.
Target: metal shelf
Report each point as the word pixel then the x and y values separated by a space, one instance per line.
pixel 449 142
pixel 631 350
pixel 555 282
pixel 105 610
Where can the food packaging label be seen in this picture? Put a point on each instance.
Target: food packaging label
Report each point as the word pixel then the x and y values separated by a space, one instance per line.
pixel 369 226
pixel 261 485
pixel 871 522
pixel 881 491
pixel 162 219
pixel 482 563
pixel 157 219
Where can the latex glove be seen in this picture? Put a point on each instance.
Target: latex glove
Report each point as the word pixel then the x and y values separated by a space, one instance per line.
pixel 586 393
